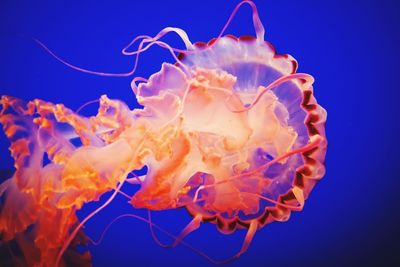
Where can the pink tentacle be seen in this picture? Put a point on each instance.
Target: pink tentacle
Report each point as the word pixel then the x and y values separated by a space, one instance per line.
pixel 302 149
pixel 151 40
pixel 86 104
pixel 182 34
pixel 141 49
pixel 81 224
pixel 258 26
pixel 308 78
pixel 153 226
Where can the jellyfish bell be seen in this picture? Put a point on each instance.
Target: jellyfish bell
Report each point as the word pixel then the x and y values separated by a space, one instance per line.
pixel 234 107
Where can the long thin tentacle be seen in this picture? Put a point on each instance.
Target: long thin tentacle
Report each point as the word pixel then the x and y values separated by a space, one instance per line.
pixel 302 149
pixel 258 27
pixel 81 224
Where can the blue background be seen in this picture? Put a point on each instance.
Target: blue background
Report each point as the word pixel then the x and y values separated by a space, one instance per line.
pixel 350 47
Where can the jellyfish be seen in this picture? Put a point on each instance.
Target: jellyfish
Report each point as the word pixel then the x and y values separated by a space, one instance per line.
pixel 230 131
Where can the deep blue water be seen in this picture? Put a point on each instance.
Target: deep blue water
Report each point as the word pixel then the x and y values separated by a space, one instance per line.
pixel 350 47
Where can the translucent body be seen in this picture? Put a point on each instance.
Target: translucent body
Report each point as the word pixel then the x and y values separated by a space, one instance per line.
pixel 231 132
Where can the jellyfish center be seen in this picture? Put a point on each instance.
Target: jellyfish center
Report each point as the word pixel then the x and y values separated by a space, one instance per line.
pixel 208 144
